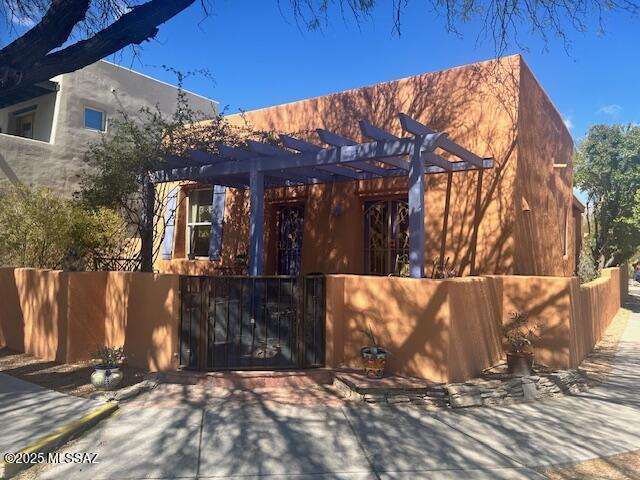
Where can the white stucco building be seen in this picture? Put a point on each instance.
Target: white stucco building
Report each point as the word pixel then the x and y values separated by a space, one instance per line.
pixel 45 129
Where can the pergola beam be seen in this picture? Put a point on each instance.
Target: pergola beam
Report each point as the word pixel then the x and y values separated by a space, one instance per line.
pixel 307 147
pixel 434 159
pixel 331 156
pixel 339 141
pixel 299 145
pixel 205 158
pixel 235 153
pixel 416 128
pixel 263 165
pixel 196 175
pixel 265 149
pixel 371 131
pixel 273 151
pixel 375 133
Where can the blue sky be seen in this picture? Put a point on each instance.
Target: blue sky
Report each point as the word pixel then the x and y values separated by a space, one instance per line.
pixel 258 58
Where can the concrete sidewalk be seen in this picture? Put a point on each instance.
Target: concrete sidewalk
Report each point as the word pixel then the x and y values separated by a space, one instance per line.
pixel 214 435
pixel 29 412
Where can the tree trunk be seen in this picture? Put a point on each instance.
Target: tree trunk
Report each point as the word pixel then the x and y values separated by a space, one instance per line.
pixel 149 199
pixel 139 24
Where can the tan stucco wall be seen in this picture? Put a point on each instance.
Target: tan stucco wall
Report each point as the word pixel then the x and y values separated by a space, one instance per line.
pixel 66 316
pixel 548 303
pixel 444 330
pixel 449 330
pixel 32 312
pixel 598 302
pixel 475 104
pixel 544 193
pixel 496 109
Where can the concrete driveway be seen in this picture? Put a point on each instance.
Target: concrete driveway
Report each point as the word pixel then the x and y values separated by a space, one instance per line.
pixel 211 434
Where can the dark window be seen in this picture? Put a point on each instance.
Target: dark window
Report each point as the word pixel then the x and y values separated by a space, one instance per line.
pixel 386 229
pixel 25 125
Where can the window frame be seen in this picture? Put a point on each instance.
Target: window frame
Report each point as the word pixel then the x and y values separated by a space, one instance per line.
pixel 190 225
pixel 19 119
pixel 84 119
pixel 391 249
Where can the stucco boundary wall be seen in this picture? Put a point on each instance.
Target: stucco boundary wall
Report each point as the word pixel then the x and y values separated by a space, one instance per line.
pixel 449 330
pixel 443 330
pixel 65 316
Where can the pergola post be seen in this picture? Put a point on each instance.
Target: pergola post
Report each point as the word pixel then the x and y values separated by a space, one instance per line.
pixel 256 222
pixel 416 211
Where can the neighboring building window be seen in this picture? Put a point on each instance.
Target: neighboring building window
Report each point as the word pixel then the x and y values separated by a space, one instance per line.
pixel 199 222
pixel 24 125
pixel 94 119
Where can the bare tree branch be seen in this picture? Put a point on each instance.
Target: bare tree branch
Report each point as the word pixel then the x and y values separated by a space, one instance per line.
pixel 140 24
pixel 50 33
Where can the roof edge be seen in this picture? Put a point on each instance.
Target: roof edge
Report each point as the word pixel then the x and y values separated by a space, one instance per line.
pixel 350 90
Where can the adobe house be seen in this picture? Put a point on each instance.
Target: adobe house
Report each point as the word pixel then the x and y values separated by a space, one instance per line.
pixel 287 252
pixel 515 217
pixel 283 254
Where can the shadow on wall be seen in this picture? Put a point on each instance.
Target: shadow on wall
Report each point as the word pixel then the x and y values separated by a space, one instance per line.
pixel 66 316
pixel 11 314
pixel 450 330
pixel 32 314
pixel 548 302
pixel 443 330
pixel 476 105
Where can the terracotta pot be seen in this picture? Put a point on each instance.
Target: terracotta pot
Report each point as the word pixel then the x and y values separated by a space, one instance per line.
pixel 520 363
pixel 106 378
pixel 374 361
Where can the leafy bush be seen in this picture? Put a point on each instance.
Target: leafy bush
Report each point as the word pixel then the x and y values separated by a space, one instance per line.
pixel 40 228
pixel 587 270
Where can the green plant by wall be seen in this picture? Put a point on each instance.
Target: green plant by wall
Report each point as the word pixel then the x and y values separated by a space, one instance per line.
pixel 587 270
pixel 39 229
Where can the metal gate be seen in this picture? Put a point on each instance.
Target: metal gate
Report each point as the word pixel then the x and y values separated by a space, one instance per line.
pixel 239 322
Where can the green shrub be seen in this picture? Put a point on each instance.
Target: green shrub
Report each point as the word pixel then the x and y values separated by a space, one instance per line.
pixel 38 229
pixel 587 270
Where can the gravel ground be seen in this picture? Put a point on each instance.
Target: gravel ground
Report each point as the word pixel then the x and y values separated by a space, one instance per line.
pixel 72 378
pixel 619 467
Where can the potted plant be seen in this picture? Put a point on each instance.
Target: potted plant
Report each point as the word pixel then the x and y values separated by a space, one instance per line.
pixel 107 362
pixel 519 334
pixel 374 357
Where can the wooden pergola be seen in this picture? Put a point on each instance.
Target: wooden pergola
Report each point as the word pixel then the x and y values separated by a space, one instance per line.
pixel 302 163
